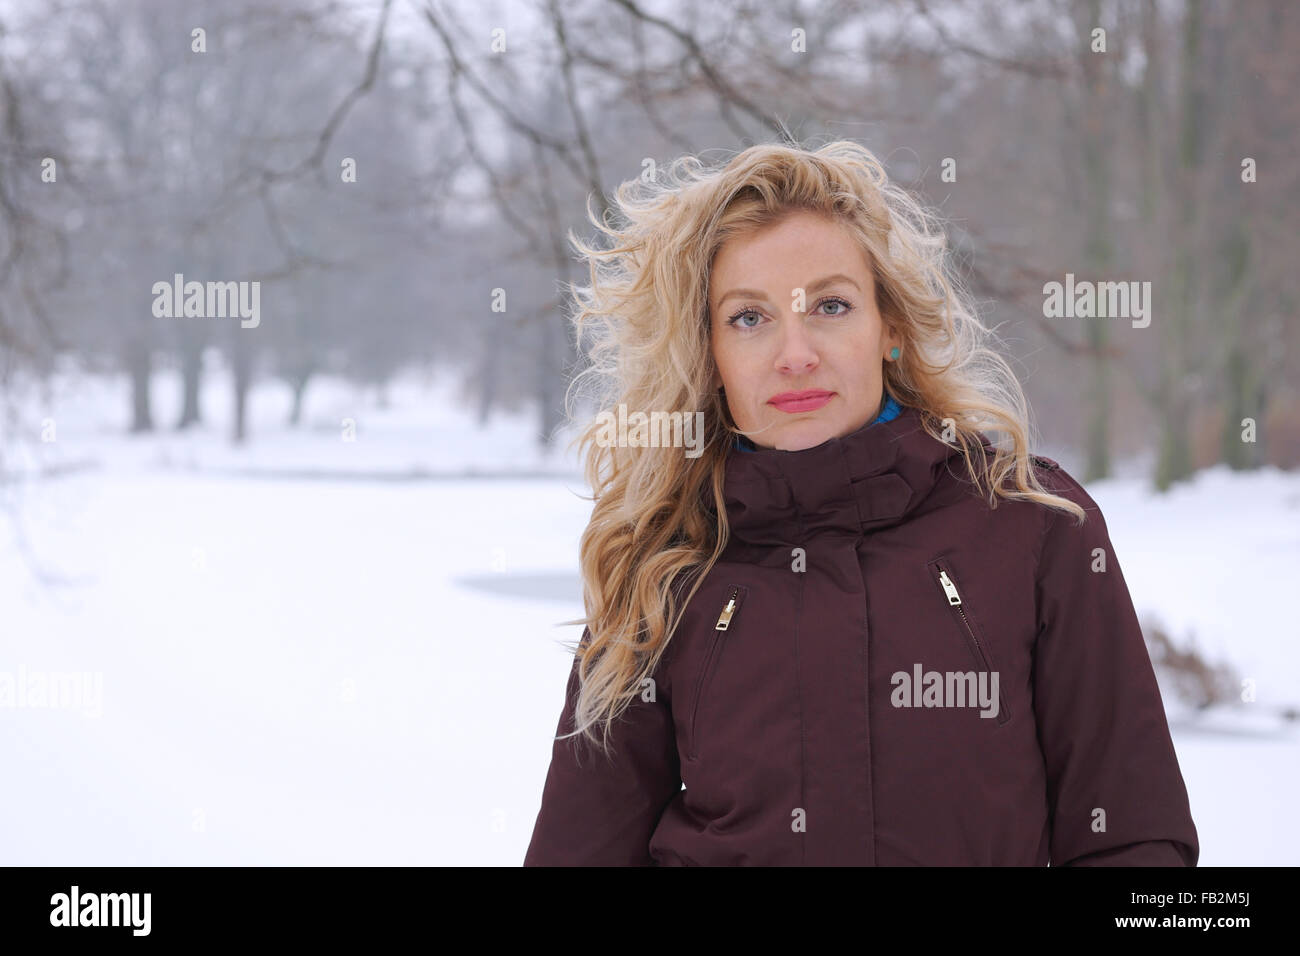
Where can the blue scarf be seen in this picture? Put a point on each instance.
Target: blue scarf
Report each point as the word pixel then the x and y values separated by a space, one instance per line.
pixel 891 411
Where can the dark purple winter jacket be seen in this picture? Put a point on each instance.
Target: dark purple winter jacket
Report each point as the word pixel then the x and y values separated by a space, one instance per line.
pixel 828 698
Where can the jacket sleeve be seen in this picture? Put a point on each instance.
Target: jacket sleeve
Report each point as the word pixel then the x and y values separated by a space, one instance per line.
pixel 1115 793
pixel 598 810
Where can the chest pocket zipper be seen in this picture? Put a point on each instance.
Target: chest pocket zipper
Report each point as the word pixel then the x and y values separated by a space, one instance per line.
pixel 726 621
pixel 977 648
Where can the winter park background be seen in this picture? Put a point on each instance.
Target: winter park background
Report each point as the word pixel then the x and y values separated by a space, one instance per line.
pixel 316 562
pixel 323 651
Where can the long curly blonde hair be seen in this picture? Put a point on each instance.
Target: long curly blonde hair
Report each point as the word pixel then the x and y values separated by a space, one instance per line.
pixel 658 522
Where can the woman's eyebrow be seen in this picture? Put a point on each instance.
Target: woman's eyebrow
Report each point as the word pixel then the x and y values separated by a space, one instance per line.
pixel 810 289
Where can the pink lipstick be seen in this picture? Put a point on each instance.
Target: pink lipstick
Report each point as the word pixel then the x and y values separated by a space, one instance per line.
pixel 805 401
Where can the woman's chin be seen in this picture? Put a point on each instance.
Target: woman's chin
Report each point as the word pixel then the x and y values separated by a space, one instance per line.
pixel 799 436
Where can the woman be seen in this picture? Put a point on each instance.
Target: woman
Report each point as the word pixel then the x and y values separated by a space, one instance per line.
pixel 854 631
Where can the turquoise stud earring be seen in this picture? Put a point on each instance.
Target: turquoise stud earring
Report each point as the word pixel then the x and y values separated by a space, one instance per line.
pixel 893 353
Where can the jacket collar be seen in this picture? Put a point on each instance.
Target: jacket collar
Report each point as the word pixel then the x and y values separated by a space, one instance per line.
pixel 869 479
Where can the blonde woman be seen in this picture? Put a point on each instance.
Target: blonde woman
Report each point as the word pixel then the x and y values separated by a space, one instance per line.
pixel 854 630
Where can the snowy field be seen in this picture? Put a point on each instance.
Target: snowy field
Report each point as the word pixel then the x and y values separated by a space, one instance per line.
pixel 319 651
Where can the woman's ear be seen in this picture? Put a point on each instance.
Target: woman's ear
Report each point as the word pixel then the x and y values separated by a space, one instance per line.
pixel 892 337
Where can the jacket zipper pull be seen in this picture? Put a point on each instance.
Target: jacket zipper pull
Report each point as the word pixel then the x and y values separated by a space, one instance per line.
pixel 724 619
pixel 949 588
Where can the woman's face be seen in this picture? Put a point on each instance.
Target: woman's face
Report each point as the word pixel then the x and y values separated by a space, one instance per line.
pixel 792 308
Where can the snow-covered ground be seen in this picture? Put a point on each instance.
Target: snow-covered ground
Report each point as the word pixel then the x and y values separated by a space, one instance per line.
pixel 315 650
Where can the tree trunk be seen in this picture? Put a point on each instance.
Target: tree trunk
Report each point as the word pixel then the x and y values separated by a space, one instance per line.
pixel 550 380
pixel 139 367
pixel 1173 458
pixel 1098 252
pixel 191 379
pixel 487 380
pixel 299 385
pixel 1238 381
pixel 241 376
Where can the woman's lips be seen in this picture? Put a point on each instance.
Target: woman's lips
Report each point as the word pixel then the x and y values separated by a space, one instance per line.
pixel 801 401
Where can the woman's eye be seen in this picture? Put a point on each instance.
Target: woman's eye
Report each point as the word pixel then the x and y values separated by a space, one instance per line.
pixel 735 319
pixel 839 306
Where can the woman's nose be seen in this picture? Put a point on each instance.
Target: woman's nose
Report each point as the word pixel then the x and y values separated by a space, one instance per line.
pixel 796 352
